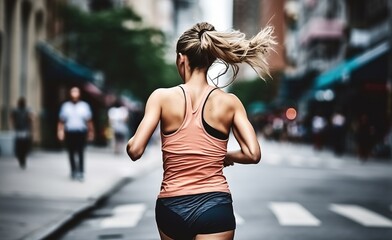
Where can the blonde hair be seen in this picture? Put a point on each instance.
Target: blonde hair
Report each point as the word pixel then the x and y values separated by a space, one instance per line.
pixel 203 45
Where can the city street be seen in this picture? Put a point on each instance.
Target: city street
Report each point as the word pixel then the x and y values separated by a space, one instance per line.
pixel 294 193
pixel 314 78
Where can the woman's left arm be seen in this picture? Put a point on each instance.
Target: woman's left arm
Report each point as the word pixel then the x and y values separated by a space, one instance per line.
pixel 137 144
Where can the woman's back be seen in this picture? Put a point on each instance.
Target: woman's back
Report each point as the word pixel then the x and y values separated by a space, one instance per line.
pixel 195 121
pixel 218 109
pixel 193 150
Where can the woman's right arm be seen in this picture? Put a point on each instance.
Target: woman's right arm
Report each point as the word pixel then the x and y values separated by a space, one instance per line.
pixel 137 144
pixel 245 135
pixel 60 130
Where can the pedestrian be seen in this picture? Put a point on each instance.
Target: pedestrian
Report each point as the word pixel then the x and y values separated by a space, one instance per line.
pixel 118 119
pixel 319 124
pixel 75 127
pixel 364 135
pixel 21 119
pixel 195 121
pixel 338 121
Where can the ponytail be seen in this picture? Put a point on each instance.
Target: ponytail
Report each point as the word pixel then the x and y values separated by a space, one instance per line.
pixel 203 45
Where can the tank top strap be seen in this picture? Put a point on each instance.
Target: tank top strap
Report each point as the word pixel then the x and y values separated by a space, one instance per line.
pixel 206 96
pixel 203 99
pixel 188 102
pixel 200 103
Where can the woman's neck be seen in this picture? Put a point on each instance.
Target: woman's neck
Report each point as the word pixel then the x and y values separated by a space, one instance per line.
pixel 197 78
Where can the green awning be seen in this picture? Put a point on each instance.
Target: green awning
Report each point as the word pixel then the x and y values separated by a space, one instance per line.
pixel 257 107
pixel 58 67
pixel 342 71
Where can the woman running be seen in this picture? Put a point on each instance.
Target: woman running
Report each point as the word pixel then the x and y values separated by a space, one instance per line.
pixel 196 118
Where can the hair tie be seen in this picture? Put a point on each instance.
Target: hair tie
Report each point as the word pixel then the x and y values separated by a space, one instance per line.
pixel 201 32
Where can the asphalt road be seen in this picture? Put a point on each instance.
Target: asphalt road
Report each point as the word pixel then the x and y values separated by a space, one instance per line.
pixel 294 193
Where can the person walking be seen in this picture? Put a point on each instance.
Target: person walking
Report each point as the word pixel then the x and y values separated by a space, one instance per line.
pixel 195 119
pixel 75 126
pixel 364 137
pixel 118 118
pixel 21 119
pixel 338 121
pixel 319 125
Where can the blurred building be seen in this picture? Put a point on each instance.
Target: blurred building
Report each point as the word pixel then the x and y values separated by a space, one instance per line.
pixel 173 17
pixel 60 72
pixel 249 16
pixel 315 42
pixel 22 26
pixel 337 53
pixel 155 13
pixel 32 66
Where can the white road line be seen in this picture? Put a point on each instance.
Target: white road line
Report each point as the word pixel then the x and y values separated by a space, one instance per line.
pixel 238 219
pixel 124 216
pixel 361 215
pixel 293 214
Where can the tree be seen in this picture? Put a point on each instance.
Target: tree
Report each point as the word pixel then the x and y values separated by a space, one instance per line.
pixel 98 5
pixel 132 59
pixel 256 90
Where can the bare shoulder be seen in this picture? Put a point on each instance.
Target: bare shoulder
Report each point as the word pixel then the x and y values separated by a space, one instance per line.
pixel 164 93
pixel 228 99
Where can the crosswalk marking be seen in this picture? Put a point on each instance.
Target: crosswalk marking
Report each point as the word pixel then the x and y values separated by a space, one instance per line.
pixel 124 216
pixel 361 215
pixel 293 214
pixel 287 214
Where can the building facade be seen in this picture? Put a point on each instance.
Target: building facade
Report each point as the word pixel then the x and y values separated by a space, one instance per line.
pixel 22 26
pixel 337 54
pixel 250 17
pixel 315 36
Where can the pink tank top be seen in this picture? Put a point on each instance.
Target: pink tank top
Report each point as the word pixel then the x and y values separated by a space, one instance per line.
pixel 192 159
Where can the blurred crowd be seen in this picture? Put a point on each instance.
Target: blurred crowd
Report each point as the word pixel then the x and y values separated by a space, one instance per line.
pixel 337 132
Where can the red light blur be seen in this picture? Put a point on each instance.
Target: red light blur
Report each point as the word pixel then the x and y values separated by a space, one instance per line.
pixel 291 113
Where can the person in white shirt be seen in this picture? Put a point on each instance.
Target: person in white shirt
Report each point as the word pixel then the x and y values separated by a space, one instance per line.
pixel 118 117
pixel 74 127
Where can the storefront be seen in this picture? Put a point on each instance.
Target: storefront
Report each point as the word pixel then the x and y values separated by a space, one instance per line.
pixel 59 75
pixel 358 88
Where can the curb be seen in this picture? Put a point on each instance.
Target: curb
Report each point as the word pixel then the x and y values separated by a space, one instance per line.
pixel 55 230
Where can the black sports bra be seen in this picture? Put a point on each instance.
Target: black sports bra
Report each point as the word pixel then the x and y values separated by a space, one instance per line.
pixel 210 130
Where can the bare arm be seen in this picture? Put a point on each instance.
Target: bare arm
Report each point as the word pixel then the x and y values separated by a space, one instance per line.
pixel 245 135
pixel 137 144
pixel 90 129
pixel 60 130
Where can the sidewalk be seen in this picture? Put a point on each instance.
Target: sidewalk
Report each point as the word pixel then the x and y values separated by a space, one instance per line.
pixel 37 201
